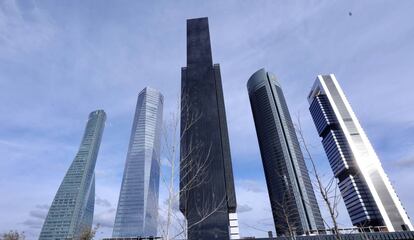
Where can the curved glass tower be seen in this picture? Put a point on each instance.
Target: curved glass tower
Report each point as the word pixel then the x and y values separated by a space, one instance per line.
pixel 137 212
pixel 367 192
pixel 71 211
pixel 294 206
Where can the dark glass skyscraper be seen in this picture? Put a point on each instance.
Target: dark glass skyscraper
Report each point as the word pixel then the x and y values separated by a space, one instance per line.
pixel 207 194
pixel 367 192
pixel 137 212
pixel 293 201
pixel 72 208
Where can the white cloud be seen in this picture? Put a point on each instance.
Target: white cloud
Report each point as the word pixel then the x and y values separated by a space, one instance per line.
pixel 59 61
pixel 252 196
pixel 252 186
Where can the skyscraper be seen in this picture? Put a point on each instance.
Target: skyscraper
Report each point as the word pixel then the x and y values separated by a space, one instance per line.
pixel 365 188
pixel 207 195
pixel 71 211
pixel 294 206
pixel 137 212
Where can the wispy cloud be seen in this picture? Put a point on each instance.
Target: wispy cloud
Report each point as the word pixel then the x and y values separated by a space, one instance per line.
pixel 61 60
pixel 43 206
pixel 34 223
pixel 105 219
pixel 102 202
pixel 24 28
pixel 41 214
pixel 252 186
pixel 405 163
pixel 243 208
pixel 37 216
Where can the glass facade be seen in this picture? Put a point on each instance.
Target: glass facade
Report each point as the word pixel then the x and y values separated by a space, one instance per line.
pixel 292 198
pixel 207 195
pixel 137 212
pixel 367 192
pixel 72 209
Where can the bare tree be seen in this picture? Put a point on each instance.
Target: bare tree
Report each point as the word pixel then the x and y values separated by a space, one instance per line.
pixel 89 233
pixel 13 235
pixel 287 215
pixel 329 192
pixel 284 208
pixel 195 160
pixel 362 230
pixel 170 152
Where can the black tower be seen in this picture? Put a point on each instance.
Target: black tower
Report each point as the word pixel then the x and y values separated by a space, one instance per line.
pixel 294 206
pixel 207 195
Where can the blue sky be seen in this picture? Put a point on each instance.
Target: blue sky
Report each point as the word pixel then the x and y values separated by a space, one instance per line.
pixel 60 60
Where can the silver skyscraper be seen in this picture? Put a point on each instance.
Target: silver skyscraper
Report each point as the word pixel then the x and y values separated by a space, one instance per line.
pixel 367 192
pixel 137 212
pixel 72 209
